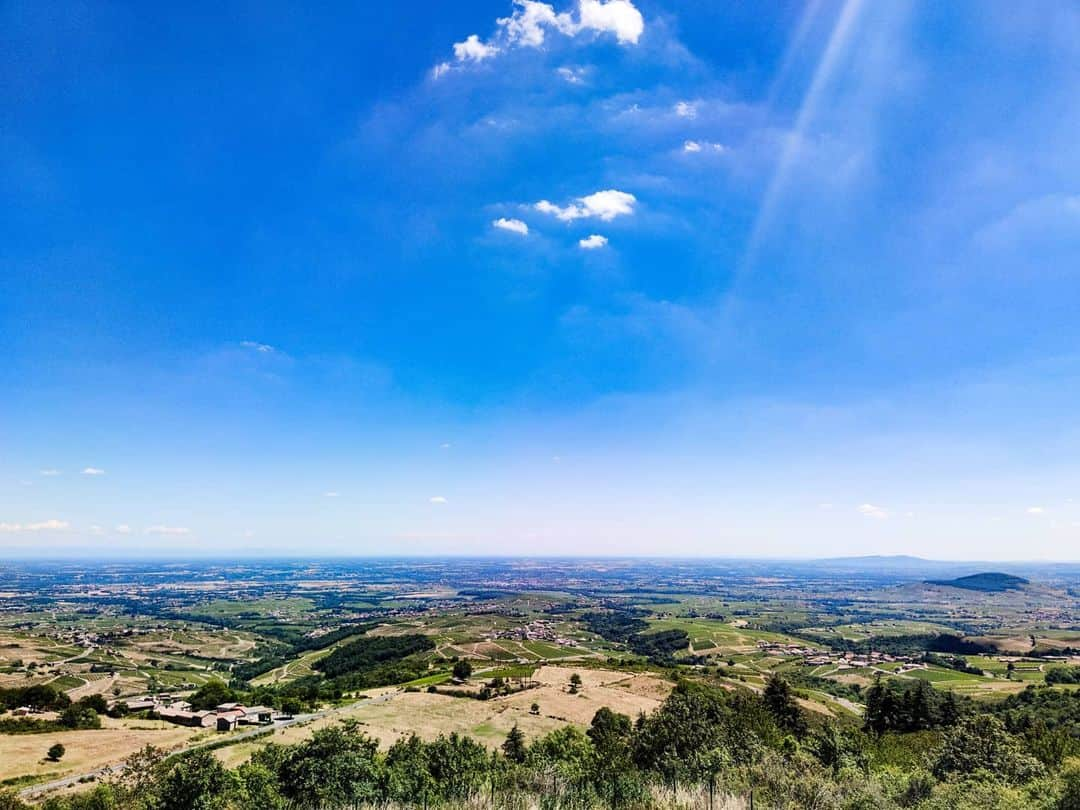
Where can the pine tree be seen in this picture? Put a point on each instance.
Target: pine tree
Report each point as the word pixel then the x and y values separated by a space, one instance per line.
pixel 514 745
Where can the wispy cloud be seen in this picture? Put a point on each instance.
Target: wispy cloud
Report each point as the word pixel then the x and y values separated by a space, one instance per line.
pixel 1035 510
pixel 871 511
pixel 603 205
pixel 168 530
pixel 93 471
pixel 331 494
pixel 572 75
pixel 685 109
pixel 512 225
pixel 43 526
pixel 698 146
pixel 123 528
pixel 255 346
pixel 438 499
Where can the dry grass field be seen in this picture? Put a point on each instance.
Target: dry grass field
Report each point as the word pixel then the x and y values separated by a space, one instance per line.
pixel 23 755
pixel 388 715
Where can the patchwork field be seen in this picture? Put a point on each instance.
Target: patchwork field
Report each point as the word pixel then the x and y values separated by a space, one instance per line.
pixel 713 636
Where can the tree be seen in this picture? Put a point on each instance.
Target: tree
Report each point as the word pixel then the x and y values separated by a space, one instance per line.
pixel 210 694
pixel 981 743
pixel 408 779
pixel 781 704
pixel 463 670
pixel 197 781
pixel 458 765
pixel 337 766
pixel 55 752
pixel 575 680
pixel 514 745
pixel 1070 794
pixel 78 716
pixel 535 708
pixel 95 702
pixel 136 780
pixel 259 788
pixel 614 776
pixel 563 757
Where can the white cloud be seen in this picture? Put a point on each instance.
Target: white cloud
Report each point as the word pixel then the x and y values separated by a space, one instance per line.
pixel 446 445
pixel 43 526
pixel 531 22
pixel 437 499
pixel 573 75
pixel 619 17
pixel 93 471
pixel 123 528
pixel 699 146
pixel 473 50
pixel 686 109
pixel 96 530
pixel 262 348
pixel 49 473
pixel 169 530
pixel 871 511
pixel 604 205
pixel 1035 510
pixel 592 242
pixel 331 494
pixel 512 225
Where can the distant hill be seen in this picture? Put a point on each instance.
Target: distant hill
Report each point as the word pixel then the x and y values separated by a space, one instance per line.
pixel 991 581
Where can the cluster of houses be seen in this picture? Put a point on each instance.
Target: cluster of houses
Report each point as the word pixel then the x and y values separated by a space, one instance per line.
pixel 536 630
pixel 841 660
pixel 225 717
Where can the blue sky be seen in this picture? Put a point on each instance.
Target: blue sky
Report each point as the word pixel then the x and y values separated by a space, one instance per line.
pixel 645 277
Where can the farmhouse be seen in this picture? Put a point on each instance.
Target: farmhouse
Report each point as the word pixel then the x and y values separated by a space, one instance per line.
pixel 185 718
pixel 257 716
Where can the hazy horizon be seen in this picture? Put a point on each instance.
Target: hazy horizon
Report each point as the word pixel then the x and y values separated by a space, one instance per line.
pixel 597 278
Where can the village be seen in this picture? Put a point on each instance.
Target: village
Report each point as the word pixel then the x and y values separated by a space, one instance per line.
pixel 536 630
pixel 813 657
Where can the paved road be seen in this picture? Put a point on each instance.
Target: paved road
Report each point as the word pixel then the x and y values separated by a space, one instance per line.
pixel 42 788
